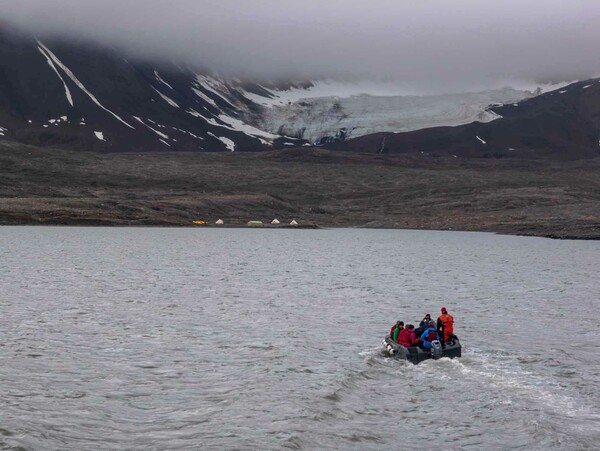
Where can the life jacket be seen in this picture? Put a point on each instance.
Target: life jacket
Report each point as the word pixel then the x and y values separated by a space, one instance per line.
pixel 448 322
pixel 412 337
pixel 428 336
pixel 432 335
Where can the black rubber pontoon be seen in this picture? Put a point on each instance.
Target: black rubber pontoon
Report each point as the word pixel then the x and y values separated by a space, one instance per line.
pixel 415 354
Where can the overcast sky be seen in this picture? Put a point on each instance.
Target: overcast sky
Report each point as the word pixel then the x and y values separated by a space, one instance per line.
pixel 427 45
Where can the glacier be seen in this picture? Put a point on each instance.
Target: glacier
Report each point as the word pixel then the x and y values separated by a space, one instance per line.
pixel 326 109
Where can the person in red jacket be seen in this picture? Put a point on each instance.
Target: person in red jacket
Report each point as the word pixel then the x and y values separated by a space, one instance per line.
pixel 412 336
pixel 403 337
pixel 407 337
pixel 445 325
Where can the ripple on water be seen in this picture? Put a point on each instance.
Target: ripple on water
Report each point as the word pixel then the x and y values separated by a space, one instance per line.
pixel 158 338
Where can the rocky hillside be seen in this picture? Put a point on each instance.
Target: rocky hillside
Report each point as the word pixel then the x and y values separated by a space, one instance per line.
pixel 75 95
pixel 80 96
pixel 561 125
pixel 84 97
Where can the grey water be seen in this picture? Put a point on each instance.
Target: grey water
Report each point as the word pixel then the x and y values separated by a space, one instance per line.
pixel 158 338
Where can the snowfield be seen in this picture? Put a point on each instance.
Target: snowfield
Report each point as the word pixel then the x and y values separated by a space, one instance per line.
pixel 327 107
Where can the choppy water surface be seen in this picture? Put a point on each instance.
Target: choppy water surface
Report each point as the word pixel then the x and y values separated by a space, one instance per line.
pixel 268 339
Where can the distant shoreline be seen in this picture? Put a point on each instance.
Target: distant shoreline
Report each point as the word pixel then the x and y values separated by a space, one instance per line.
pixel 77 224
pixel 318 188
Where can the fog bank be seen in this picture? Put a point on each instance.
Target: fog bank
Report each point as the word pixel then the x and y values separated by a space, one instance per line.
pixel 432 46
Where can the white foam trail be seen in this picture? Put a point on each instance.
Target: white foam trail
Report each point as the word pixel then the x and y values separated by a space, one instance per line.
pixel 524 382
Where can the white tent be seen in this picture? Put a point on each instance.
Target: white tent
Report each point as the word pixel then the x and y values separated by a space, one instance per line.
pixel 219 222
pixel 275 221
pixel 293 222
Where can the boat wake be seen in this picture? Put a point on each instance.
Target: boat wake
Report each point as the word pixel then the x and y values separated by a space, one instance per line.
pixel 501 373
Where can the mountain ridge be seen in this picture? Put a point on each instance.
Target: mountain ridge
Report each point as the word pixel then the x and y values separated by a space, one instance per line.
pixel 112 104
pixel 83 96
pixel 88 137
pixel 563 124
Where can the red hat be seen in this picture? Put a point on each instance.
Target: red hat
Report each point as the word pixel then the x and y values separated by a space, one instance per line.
pixel 444 310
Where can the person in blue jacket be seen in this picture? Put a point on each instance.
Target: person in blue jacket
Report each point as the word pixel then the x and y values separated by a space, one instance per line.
pixel 428 336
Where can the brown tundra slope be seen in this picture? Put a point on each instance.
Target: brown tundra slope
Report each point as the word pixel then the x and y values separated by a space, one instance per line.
pixel 314 186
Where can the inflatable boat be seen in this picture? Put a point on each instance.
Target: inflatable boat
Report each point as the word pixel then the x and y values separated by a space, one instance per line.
pixel 415 354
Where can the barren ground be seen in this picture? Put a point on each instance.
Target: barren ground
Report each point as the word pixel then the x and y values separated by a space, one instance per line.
pixel 314 186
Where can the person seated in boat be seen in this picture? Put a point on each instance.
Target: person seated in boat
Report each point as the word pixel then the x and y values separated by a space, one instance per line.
pixel 445 325
pixel 414 340
pixel 428 336
pixel 423 325
pixel 396 328
pixel 407 337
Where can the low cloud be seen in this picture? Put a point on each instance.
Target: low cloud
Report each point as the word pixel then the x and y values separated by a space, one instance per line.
pixel 426 46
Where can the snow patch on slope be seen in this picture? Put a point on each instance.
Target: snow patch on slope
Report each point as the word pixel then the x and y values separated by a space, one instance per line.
pixel 228 142
pixel 326 88
pixel 240 126
pixel 187 132
pixel 53 67
pixel 204 97
pixel 159 78
pixel 166 99
pixel 162 135
pixel 80 85
pixel 235 125
pixel 214 85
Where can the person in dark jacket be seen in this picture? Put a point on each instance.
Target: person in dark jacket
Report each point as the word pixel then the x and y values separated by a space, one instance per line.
pixel 428 336
pixel 423 325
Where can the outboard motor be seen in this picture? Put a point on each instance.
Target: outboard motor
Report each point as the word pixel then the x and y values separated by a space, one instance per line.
pixel 436 349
